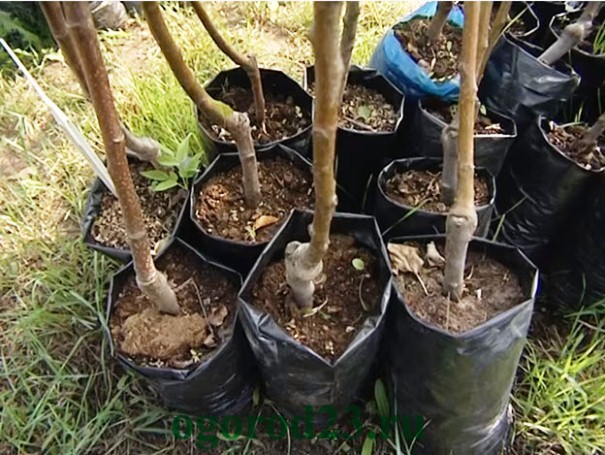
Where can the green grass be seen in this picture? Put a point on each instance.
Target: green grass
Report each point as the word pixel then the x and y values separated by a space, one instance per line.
pixel 60 392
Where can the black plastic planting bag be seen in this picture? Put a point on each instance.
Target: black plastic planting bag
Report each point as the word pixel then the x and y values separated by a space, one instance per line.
pixel 460 383
pixel 490 150
pixel 525 13
pixel 273 82
pixel 397 219
pixel 361 154
pixel 295 376
pixel 578 277
pixel 223 384
pixel 519 86
pixel 238 255
pixel 92 208
pixel 538 189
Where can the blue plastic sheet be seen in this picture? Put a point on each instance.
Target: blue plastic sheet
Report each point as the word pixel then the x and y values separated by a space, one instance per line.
pixel 399 67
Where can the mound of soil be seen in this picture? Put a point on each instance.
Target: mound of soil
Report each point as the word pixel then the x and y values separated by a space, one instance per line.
pixel 566 138
pixel 483 125
pixel 283 117
pixel 208 303
pixel 343 299
pixel 416 188
pixel 222 211
pixel 365 109
pixel 160 211
pixel 440 59
pixel 490 289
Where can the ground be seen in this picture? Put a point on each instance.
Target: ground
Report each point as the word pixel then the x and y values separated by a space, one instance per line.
pixel 60 391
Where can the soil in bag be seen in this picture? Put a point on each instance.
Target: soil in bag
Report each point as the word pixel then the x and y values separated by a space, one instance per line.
pixel 196 360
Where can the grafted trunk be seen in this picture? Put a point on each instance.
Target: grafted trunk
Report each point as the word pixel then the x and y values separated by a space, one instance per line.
pixel 84 38
pixel 248 63
pixel 236 123
pixel 590 140
pixel 304 260
pixel 449 173
pixel 572 35
pixel 439 20
pixel 462 218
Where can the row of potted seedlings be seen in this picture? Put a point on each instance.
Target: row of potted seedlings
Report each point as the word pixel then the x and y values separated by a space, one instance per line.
pixel 450 358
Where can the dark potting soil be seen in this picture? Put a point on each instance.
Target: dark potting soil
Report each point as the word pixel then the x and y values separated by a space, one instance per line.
pixel 416 188
pixel 339 301
pixel 439 60
pixel 283 117
pixel 208 303
pixel 160 211
pixel 222 211
pixel 490 288
pixel 566 139
pixel 365 109
pixel 483 125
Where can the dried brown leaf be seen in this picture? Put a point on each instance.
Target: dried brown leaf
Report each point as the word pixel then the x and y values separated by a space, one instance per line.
pixel 263 221
pixel 217 316
pixel 405 258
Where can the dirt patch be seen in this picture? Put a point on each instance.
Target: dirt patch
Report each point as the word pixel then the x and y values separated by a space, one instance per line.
pixel 222 211
pixel 160 212
pixel 484 126
pixel 365 109
pixel 567 138
pixel 419 188
pixel 440 59
pixel 339 299
pixel 208 302
pixel 283 117
pixel 490 289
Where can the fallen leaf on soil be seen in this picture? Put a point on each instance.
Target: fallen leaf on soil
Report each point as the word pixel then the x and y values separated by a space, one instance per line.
pixel 209 342
pixel 433 257
pixel 263 221
pixel 218 315
pixel 405 258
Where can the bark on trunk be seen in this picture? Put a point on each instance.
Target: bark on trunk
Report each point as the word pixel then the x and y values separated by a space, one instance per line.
pixel 439 20
pixel 349 31
pixel 462 218
pixel 210 108
pixel 304 260
pixel 591 139
pixel 495 31
pixel 84 38
pixel 249 63
pixel 572 35
pixel 449 173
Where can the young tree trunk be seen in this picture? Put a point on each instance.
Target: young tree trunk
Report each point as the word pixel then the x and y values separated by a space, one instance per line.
pixel 462 218
pixel 591 138
pixel 449 172
pixel 304 260
pixel 235 122
pixel 249 64
pixel 439 20
pixel 572 35
pixel 485 15
pixel 144 148
pixel 349 31
pixel 494 35
pixel 84 38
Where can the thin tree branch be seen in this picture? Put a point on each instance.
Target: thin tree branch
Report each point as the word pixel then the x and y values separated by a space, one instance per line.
pixel 248 64
pixel 485 14
pixel 349 31
pixel 83 34
pixel 211 109
pixel 494 35
pixel 439 20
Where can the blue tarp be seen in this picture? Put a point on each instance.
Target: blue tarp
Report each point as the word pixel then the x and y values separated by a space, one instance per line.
pixel 399 67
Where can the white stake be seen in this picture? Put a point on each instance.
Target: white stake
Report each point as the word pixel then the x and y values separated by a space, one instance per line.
pixel 72 132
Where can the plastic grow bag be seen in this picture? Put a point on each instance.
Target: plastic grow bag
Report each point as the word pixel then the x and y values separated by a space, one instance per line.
pixel 92 208
pixel 460 383
pixel 361 154
pixel 295 376
pixel 238 255
pixel 273 81
pixel 490 150
pixel 223 384
pixel 397 219
pixel 538 190
pixel 391 60
pixel 519 86
pixel 525 12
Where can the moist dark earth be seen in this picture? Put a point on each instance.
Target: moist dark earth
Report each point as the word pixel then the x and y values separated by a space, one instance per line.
pixel 445 112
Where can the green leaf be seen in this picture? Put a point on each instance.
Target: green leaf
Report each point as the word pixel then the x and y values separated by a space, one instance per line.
pixel 382 401
pixel 167 158
pixel 182 150
pixel 165 185
pixel 358 264
pixel 368 444
pixel 156 174
pixel 188 168
pixel 364 111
